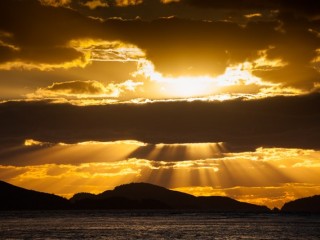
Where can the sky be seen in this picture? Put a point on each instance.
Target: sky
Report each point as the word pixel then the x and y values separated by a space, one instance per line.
pixel 208 97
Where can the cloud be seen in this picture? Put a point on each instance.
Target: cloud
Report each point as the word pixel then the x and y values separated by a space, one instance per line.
pixel 125 3
pixel 180 47
pixel 237 81
pixel 147 10
pixel 42 42
pixel 246 48
pixel 242 125
pixel 270 196
pixel 31 143
pixel 207 9
pixel 14 64
pixel 84 89
pixel 253 15
pixel 93 4
pixel 265 176
pixel 89 175
pixel 169 1
pixel 78 87
pixel 176 47
pixel 309 7
pixel 55 3
pixel 6 41
pixel 112 51
pixel 192 155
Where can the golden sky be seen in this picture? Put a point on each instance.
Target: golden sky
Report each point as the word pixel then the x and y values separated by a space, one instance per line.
pixel 206 97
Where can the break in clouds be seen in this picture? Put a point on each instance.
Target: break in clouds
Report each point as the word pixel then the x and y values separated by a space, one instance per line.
pixel 287 32
pixel 207 97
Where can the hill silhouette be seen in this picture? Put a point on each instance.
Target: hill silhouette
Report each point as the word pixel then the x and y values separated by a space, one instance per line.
pixel 140 196
pixel 148 196
pixel 16 198
pixel 303 205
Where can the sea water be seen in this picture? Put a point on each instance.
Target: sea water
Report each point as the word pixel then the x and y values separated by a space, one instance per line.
pixel 155 225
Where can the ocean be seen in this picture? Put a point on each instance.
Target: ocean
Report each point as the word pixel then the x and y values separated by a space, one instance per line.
pixel 155 225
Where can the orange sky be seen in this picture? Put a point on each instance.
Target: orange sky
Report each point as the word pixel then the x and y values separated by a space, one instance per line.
pixel 269 176
pixel 205 97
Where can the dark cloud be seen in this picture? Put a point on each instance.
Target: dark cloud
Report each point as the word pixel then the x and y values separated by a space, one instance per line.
pixel 182 47
pixel 308 7
pixel 93 4
pixel 78 90
pixel 146 10
pixel 201 9
pixel 243 125
pixel 300 76
pixel 78 87
pixel 18 83
pixel 186 47
pixel 297 46
pixel 175 46
pixel 6 54
pixel 42 32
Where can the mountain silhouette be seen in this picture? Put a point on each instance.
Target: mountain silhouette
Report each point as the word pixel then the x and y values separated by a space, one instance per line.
pixel 16 198
pixel 148 196
pixel 303 205
pixel 140 196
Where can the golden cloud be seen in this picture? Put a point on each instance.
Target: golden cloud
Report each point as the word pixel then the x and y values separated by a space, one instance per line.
pixel 238 81
pixel 100 50
pixel 84 90
pixel 6 41
pixel 32 143
pixel 169 1
pixel 190 177
pixel 263 63
pixel 88 50
pixel 82 61
pixel 316 60
pixel 125 3
pixel 93 4
pixel 268 176
pixel 253 15
pixel 273 196
pixel 55 3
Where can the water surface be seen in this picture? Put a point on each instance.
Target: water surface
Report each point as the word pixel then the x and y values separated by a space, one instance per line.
pixel 155 225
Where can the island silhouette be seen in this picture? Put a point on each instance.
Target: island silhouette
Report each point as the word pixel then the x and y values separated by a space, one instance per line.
pixel 17 198
pixel 303 205
pixel 135 196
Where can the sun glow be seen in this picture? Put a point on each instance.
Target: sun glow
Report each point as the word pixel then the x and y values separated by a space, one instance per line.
pixel 269 176
pixel 186 151
pixel 146 82
pixel 187 86
pixel 234 80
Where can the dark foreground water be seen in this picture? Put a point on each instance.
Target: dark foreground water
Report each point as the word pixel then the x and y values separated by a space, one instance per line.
pixel 155 225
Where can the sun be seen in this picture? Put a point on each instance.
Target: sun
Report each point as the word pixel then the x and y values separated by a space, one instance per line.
pixel 234 79
pixel 188 86
pixel 181 86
